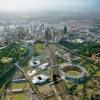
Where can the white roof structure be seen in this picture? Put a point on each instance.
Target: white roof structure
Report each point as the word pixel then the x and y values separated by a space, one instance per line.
pixel 34 63
pixel 31 73
pixel 43 66
pixel 39 79
pixel 30 41
pixel 79 41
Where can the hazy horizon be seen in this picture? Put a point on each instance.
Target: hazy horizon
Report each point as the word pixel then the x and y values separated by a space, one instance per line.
pixel 10 9
pixel 22 6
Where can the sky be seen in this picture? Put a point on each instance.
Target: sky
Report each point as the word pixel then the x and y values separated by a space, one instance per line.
pixel 42 5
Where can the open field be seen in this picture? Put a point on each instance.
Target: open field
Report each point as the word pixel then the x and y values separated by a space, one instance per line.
pixel 19 85
pixel 19 96
pixel 98 73
pixel 39 48
pixel 73 73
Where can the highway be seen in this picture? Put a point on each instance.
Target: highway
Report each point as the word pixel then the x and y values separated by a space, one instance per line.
pixel 59 86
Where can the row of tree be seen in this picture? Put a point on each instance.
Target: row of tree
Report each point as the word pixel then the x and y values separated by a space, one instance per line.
pixel 86 48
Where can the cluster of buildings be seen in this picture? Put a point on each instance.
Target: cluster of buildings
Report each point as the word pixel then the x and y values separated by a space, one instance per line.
pixel 36 65
pixel 52 31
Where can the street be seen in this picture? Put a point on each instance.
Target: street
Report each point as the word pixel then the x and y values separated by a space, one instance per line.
pixel 59 87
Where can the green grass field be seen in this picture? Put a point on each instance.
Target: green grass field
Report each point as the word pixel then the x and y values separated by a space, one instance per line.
pixel 39 48
pixel 73 73
pixel 20 96
pixel 19 85
pixel 98 73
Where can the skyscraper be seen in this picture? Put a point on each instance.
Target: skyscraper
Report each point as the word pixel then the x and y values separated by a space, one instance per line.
pixel 65 29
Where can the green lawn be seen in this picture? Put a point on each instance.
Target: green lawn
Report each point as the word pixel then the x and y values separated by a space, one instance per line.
pixel 22 49
pixel 20 96
pixel 39 48
pixel 19 85
pixel 80 87
pixel 73 73
pixel 98 73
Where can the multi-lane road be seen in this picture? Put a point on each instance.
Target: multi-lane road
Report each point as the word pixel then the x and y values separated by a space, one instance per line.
pixel 59 86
